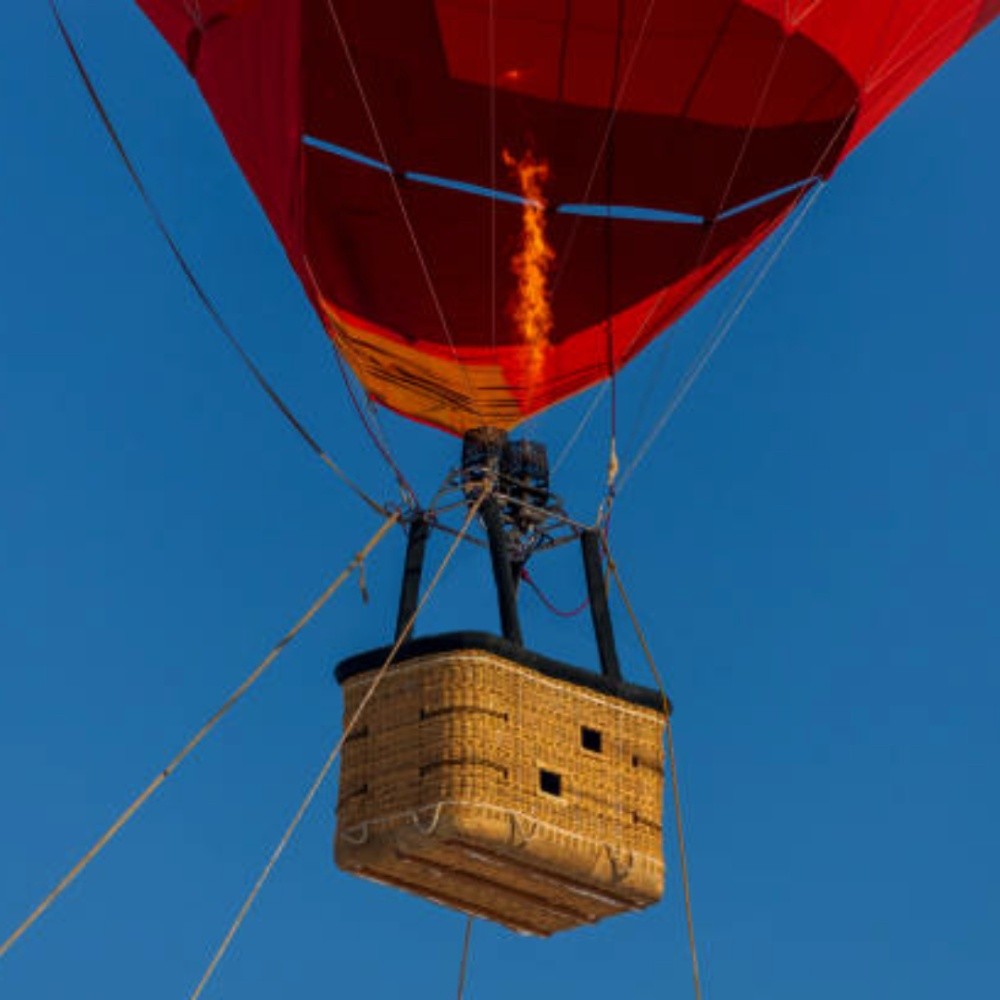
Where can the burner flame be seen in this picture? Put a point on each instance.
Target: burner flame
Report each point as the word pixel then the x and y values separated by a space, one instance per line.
pixel 530 307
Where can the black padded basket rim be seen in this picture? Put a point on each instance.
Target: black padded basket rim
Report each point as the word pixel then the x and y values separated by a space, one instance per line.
pixel 486 642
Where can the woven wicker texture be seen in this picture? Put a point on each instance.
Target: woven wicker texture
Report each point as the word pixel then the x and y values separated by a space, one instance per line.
pixel 497 790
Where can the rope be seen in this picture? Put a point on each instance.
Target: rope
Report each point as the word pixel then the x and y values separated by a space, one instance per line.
pixel 463 965
pixel 612 486
pixel 186 269
pixel 715 341
pixel 379 441
pixel 383 153
pixel 605 138
pixel 190 746
pixel 334 754
pixel 581 426
pixel 540 594
pixel 609 258
pixel 682 852
pixel 806 194
pixel 740 156
pixel 492 44
pixel 713 219
pixel 264 875
pixel 674 775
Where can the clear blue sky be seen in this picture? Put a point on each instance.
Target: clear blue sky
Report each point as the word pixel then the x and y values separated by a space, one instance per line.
pixel 814 548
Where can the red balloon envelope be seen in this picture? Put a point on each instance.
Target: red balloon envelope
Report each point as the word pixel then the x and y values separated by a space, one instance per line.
pixel 382 139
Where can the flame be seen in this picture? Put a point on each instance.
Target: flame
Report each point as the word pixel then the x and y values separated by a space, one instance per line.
pixel 531 308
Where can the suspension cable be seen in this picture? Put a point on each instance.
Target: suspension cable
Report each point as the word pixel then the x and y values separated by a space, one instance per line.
pixel 807 194
pixel 715 341
pixel 401 202
pixel 674 774
pixel 606 137
pixel 378 439
pixel 581 426
pixel 188 271
pixel 227 706
pixel 335 753
pixel 492 45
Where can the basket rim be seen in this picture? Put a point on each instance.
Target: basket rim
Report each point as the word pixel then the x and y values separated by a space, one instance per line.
pixel 486 642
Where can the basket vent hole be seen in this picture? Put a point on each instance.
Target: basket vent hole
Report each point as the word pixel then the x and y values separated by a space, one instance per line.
pixel 549 782
pixel 590 739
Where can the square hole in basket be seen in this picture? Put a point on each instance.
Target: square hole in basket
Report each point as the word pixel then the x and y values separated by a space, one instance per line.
pixel 549 782
pixel 590 739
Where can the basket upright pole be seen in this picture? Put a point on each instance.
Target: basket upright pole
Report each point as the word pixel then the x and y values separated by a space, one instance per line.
pixel 413 568
pixel 510 621
pixel 600 614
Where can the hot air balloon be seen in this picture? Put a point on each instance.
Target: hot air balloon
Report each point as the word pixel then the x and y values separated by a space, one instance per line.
pixel 493 205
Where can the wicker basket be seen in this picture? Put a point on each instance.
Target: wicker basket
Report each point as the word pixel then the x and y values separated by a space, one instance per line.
pixel 502 784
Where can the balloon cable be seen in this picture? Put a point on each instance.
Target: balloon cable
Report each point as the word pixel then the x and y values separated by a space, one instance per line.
pixel 674 774
pixel 227 706
pixel 375 433
pixel 609 126
pixel 492 44
pixel 581 426
pixel 335 753
pixel 401 203
pixel 186 269
pixel 712 219
pixel 715 341
pixel 807 196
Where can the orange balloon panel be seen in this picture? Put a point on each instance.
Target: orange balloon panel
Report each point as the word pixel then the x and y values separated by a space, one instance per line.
pixel 383 137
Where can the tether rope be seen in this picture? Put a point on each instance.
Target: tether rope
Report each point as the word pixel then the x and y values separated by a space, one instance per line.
pixel 186 269
pixel 335 752
pixel 463 965
pixel 674 775
pixel 198 737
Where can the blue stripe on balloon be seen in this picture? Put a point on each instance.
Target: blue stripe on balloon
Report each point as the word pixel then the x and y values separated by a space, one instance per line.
pixel 630 213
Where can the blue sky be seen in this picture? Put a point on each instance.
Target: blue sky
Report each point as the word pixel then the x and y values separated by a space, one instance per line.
pixel 813 547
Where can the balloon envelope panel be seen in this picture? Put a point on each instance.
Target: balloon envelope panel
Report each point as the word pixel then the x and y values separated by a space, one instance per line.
pixel 677 134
